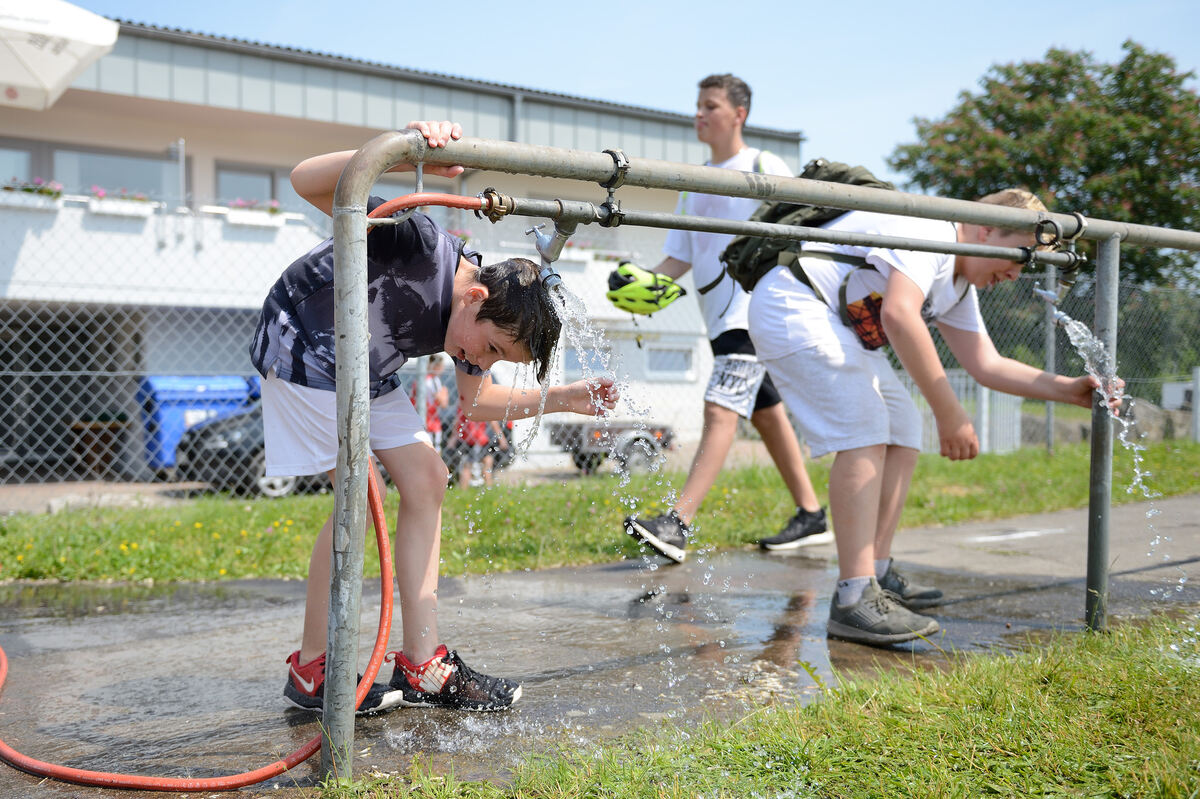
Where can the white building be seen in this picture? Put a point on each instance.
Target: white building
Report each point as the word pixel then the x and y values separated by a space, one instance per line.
pixel 96 294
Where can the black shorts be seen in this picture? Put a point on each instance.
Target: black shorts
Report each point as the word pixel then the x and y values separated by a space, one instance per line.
pixel 737 342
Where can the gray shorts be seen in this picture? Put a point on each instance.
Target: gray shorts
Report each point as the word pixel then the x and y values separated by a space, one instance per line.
pixel 735 381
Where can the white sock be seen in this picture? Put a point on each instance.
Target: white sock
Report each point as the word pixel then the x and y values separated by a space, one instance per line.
pixel 850 590
pixel 881 567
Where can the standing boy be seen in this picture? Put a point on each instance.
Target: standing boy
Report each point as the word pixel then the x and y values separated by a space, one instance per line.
pixel 739 385
pixel 428 293
pixel 848 400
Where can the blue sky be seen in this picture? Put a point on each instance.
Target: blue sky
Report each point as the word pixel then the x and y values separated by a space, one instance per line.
pixel 850 75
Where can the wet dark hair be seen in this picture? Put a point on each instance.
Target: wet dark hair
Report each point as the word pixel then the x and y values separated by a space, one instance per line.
pixel 735 89
pixel 518 305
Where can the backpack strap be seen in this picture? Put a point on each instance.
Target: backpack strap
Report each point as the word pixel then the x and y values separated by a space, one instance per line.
pixel 716 281
pixel 793 261
pixel 854 261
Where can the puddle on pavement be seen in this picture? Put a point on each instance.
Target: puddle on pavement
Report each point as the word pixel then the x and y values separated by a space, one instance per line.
pixel 186 680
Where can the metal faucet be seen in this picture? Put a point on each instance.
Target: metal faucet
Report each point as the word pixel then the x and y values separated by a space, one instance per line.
pixel 549 248
pixel 1051 298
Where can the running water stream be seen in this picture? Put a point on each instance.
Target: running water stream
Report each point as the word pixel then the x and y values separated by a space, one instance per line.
pixel 596 361
pixel 1099 363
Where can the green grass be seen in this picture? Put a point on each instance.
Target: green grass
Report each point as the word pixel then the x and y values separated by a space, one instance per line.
pixel 574 522
pixel 1078 715
pixel 1110 715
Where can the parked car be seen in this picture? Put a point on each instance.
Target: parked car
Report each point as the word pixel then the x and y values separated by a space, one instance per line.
pixel 634 445
pixel 229 455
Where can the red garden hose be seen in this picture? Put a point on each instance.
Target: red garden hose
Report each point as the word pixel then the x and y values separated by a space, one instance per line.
pixel 375 505
pixel 135 782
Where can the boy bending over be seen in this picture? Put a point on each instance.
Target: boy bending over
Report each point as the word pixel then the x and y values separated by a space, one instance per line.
pixel 428 293
pixel 847 399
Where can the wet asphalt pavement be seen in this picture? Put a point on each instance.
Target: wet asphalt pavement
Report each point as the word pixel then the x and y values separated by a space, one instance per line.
pixel 186 680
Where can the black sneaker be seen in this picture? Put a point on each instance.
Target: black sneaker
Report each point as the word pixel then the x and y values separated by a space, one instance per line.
pixel 803 529
pixel 305 688
pixel 911 595
pixel 668 534
pixel 877 618
pixel 463 688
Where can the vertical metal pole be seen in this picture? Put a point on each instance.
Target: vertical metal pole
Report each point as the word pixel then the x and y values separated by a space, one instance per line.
pixel 353 420
pixel 1196 405
pixel 421 395
pixel 1051 351
pixel 182 153
pixel 1100 491
pixel 984 412
pixel 350 491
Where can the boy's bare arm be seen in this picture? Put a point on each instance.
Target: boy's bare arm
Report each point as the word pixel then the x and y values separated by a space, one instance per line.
pixel 315 178
pixel 672 267
pixel 977 354
pixel 483 400
pixel 913 345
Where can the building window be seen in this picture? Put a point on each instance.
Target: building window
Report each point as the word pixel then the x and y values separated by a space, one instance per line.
pixel 79 171
pixel 669 361
pixel 15 165
pixel 254 187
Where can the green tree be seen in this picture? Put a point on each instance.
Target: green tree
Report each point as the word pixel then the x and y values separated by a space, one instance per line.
pixel 1112 141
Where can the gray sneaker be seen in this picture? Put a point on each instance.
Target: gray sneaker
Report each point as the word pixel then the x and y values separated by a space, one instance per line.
pixel 911 595
pixel 668 534
pixel 877 618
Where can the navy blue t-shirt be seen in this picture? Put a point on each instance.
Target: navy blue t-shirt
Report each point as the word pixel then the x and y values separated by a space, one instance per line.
pixel 410 281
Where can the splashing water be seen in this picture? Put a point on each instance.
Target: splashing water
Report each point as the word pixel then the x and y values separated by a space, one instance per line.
pixel 583 337
pixel 1099 364
pixel 596 361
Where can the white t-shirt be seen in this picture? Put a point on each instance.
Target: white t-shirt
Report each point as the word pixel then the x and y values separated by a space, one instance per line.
pixel 725 306
pixel 948 300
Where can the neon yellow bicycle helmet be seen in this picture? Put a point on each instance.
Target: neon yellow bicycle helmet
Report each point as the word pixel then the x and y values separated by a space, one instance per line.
pixel 633 289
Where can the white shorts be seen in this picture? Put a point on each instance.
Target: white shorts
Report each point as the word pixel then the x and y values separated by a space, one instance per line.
pixel 300 426
pixel 842 395
pixel 735 381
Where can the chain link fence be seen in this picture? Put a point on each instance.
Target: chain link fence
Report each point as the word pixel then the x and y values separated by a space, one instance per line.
pixel 124 329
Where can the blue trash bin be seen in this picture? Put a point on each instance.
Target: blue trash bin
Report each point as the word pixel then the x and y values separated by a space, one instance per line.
pixel 172 403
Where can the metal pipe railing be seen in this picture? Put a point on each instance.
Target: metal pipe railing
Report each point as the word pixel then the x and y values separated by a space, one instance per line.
pixel 612 169
pixel 615 171
pixel 577 212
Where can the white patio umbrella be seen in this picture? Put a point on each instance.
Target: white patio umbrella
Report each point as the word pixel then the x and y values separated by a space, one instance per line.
pixel 44 45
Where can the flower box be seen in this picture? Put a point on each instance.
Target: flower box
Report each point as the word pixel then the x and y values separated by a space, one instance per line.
pixel 116 206
pixel 29 200
pixel 253 217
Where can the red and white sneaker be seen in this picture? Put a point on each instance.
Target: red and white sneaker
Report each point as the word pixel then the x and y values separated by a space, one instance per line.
pixel 305 688
pixel 445 681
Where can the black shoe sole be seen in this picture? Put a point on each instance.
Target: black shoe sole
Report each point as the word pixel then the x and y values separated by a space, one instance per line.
pixel 919 604
pixel 406 701
pixel 669 551
pixel 389 700
pixel 825 537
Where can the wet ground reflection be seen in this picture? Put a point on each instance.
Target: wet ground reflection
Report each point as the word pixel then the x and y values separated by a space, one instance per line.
pixel 182 680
